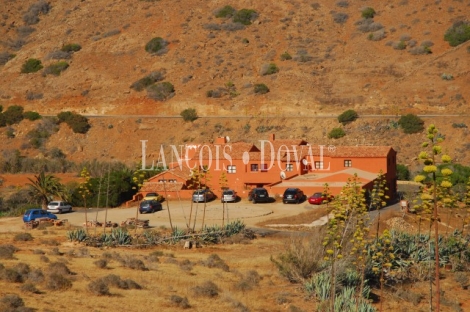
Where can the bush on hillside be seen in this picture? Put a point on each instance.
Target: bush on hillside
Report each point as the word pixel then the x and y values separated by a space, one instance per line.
pixel 30 115
pixel 336 133
pixel 226 11
pixel 286 56
pixel 77 122
pixel 348 116
pixel 32 65
pixel 411 123
pixel 156 45
pixel 189 114
pixel 261 88
pixel 56 68
pixel 148 80
pixel 161 91
pixel 340 18
pixel 368 12
pixel 13 115
pixel 245 16
pixel 71 47
pixel 5 57
pixel 458 33
pixel 269 69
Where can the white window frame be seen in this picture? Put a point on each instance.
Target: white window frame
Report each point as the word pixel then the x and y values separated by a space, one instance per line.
pixel 319 165
pixel 231 169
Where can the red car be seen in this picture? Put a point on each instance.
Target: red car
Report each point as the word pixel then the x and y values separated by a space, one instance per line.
pixel 319 198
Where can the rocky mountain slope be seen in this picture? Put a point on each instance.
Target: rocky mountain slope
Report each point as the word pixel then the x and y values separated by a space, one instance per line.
pixel 329 59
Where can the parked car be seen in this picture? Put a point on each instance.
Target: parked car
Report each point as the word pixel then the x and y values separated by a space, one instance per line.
pixel 319 198
pixel 59 207
pixel 258 195
pixel 203 195
pixel 37 213
pixel 293 195
pixel 147 206
pixel 229 196
pixel 153 196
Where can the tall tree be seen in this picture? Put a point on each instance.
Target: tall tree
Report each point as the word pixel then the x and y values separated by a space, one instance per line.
pixel 44 186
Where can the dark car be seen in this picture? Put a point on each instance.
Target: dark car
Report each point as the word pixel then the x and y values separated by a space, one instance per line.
pixel 147 206
pixel 37 213
pixel 203 195
pixel 258 195
pixel 319 198
pixel 293 195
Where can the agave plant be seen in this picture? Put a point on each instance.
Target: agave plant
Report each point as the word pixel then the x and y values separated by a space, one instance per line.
pixel 234 228
pixel 78 235
pixel 177 234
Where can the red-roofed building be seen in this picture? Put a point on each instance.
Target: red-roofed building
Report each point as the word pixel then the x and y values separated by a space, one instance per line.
pixel 277 165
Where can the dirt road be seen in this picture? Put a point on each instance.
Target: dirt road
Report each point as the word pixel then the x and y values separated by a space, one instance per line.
pixel 180 212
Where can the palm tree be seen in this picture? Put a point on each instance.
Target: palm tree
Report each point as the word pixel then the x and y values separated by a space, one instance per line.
pixel 44 186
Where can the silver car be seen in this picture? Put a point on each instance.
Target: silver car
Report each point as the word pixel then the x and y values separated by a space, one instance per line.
pixel 229 196
pixel 59 207
pixel 203 195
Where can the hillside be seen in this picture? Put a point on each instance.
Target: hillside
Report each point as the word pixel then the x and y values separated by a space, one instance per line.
pixel 335 66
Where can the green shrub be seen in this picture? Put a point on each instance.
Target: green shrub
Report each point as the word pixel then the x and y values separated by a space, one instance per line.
pixel 13 115
pixel 56 68
pixel 155 45
pixel 411 123
pixel 77 122
pixel 31 66
pixel 368 12
pixel 261 88
pixel 71 47
pixel 403 173
pixel 148 80
pixel 458 33
pixel 348 116
pixel 286 56
pixel 226 11
pixel 189 114
pixel 336 133
pixel 160 91
pixel 245 16
pixel 269 69
pixel 30 115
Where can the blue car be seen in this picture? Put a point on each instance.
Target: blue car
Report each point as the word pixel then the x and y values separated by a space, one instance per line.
pixel 147 206
pixel 37 213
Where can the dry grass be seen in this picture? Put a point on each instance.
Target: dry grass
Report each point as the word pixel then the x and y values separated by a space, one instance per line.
pixel 251 282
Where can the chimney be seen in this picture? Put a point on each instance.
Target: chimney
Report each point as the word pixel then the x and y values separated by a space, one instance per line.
pixel 272 137
pixel 220 140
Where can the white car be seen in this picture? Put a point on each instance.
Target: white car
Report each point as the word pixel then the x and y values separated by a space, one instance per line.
pixel 59 207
